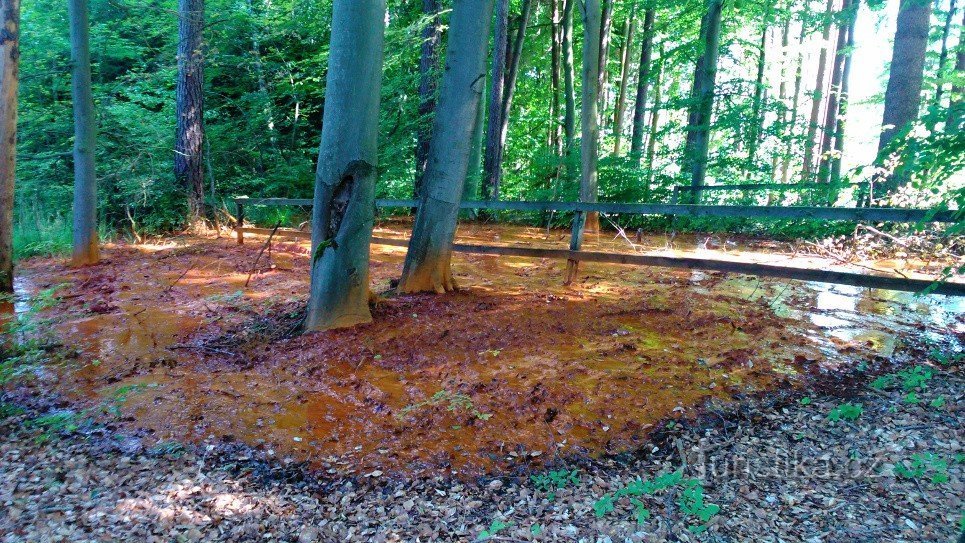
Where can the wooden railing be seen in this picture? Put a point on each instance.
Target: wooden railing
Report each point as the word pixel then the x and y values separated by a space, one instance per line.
pixel 874 214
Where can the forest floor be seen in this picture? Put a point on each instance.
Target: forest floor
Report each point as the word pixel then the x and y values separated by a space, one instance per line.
pixel 175 361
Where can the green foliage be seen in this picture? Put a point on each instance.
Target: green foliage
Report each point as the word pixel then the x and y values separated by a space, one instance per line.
pixel 604 505
pixel 692 503
pixel 915 378
pixel 938 402
pixel 845 411
pixel 805 400
pixel 494 528
pixel 8 410
pixel 454 402
pixel 924 464
pixel 552 481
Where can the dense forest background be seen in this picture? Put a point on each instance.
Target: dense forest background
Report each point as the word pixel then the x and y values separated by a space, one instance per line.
pixel 264 89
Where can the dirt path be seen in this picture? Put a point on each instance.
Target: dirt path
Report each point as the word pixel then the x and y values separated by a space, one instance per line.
pixel 777 472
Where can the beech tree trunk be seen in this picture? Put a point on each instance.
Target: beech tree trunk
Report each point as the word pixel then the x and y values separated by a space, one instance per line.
pixel 782 92
pixel 807 170
pixel 86 244
pixel 620 107
pixel 606 25
pixel 843 102
pixel 590 119
pixel 903 94
pixel 189 106
pixel 554 139
pixel 943 55
pixel 428 65
pixel 492 158
pixel 427 265
pixel 831 115
pixel 475 171
pixel 344 206
pixel 643 80
pixel 757 121
pixel 569 86
pixel 9 82
pixel 509 89
pixel 702 98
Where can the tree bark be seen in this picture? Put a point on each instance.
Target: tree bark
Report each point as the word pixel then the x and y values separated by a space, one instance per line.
pixel 474 174
pixel 86 244
pixel 654 125
pixel 956 105
pixel 569 86
pixel 757 121
pixel 589 144
pixel 554 138
pixel 427 265
pixel 492 159
pixel 606 25
pixel 903 94
pixel 795 103
pixel 702 99
pixel 9 82
pixel 831 115
pixel 782 91
pixel 843 102
pixel 643 80
pixel 189 105
pixel 428 68
pixel 344 205
pixel 811 141
pixel 620 107
pixel 509 88
pixel 943 55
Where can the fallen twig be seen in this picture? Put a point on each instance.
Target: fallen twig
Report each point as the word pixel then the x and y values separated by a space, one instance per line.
pixel 261 252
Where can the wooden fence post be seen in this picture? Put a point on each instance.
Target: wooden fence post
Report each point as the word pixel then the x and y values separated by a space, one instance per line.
pixel 241 222
pixel 576 242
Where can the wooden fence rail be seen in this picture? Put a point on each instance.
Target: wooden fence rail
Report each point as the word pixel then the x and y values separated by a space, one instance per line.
pixel 763 270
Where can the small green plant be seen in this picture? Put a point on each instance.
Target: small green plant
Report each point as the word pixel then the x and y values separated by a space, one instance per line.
pixel 912 398
pixel 938 402
pixel 604 505
pixel 805 400
pixel 535 529
pixel 915 378
pixel 552 481
pixel 692 503
pixel 167 448
pixel 454 402
pixel 946 359
pixel 8 410
pixel 640 511
pixel 65 421
pixel 883 382
pixel 495 527
pixel 924 464
pixel 845 411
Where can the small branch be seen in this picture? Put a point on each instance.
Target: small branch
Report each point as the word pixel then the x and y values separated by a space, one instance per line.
pixel 261 252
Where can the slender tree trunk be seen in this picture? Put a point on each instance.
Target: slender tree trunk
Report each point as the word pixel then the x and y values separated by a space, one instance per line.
pixel 795 103
pixel 843 103
pixel 189 105
pixel 428 68
pixel 569 88
pixel 654 126
pixel 956 103
pixel 509 88
pixel 475 171
pixel 811 141
pixel 831 115
pixel 9 82
pixel 625 62
pixel 943 55
pixel 782 92
pixel 344 207
pixel 86 244
pixel 589 144
pixel 757 121
pixel 427 264
pixel 554 139
pixel 903 94
pixel 702 108
pixel 606 25
pixel 492 159
pixel 643 79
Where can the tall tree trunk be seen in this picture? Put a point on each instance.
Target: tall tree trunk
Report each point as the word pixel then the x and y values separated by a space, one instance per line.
pixel 475 169
pixel 843 102
pixel 590 119
pixel 509 88
pixel 643 79
pixel 654 126
pixel 9 82
pixel 427 264
pixel 606 26
pixel 569 88
pixel 956 105
pixel 757 121
pixel 782 91
pixel 554 139
pixel 492 160
pixel 86 244
pixel 702 101
pixel 903 94
pixel 795 103
pixel 831 115
pixel 816 98
pixel 428 68
pixel 344 206
pixel 189 105
pixel 943 55
pixel 620 107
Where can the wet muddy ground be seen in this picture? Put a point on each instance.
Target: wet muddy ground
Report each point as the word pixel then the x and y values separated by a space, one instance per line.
pixel 513 368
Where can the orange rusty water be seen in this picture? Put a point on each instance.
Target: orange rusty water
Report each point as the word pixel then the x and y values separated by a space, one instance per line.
pixel 514 365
